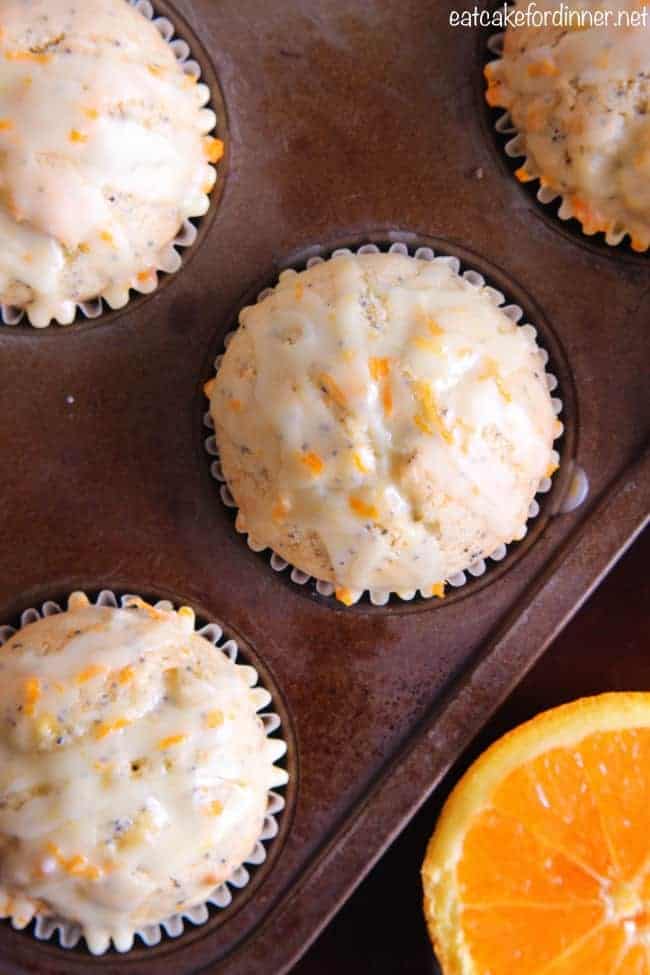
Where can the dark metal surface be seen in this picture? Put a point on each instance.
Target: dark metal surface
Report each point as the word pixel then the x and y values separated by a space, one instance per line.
pixel 381 930
pixel 344 117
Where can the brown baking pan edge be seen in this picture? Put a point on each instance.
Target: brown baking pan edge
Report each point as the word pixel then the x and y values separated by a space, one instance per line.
pixel 361 838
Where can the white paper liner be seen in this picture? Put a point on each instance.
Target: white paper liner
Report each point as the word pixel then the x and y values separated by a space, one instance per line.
pixel 515 148
pixel 69 933
pixel 169 260
pixel 380 597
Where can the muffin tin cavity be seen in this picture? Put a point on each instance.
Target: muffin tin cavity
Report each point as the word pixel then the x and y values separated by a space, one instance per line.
pixel 246 878
pixel 196 64
pixel 554 210
pixel 551 494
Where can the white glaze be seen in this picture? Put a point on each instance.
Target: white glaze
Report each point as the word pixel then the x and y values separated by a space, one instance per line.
pixel 103 154
pixel 134 771
pixel 580 101
pixel 352 492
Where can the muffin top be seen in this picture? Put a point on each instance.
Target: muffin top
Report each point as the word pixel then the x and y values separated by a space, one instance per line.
pixel 103 154
pixel 381 422
pixel 580 99
pixel 134 770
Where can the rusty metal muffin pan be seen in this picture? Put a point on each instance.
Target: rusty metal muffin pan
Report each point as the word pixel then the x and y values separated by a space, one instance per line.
pixel 345 120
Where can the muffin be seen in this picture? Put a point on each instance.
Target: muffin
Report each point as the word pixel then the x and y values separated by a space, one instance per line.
pixel 382 424
pixel 579 98
pixel 134 769
pixel 104 154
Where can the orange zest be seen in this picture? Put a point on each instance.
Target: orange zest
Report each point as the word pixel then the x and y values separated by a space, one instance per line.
pixel 331 388
pixel 151 611
pixel 76 865
pixel 280 510
pixel 106 728
pixel 543 68
pixel 493 94
pixel 313 462
pixel 362 509
pixel 359 464
pixel 89 673
pixel 428 344
pixel 433 327
pixel 379 368
pixel 126 675
pixel 428 418
pixel 171 741
pixel 213 149
pixel 32 694
pixel 345 596
pixel 491 371
pixel 523 175
pixel 387 398
pixel 35 57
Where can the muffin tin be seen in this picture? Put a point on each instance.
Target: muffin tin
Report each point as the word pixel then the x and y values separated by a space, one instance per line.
pixel 347 122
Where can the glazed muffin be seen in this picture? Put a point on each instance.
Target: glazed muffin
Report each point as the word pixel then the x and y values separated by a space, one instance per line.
pixel 104 153
pixel 134 769
pixel 580 101
pixel 381 423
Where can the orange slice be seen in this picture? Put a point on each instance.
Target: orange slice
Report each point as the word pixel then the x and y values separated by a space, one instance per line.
pixel 540 862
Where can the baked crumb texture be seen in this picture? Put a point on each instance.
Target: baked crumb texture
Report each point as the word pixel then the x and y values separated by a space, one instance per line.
pixel 134 768
pixel 580 102
pixel 105 152
pixel 382 424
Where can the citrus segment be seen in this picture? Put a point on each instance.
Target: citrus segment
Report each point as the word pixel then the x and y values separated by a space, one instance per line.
pixel 619 769
pixel 523 939
pixel 490 872
pixel 552 796
pixel 635 962
pixel 602 952
pixel 540 863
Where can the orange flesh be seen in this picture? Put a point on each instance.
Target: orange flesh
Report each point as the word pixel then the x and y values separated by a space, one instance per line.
pixel 554 873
